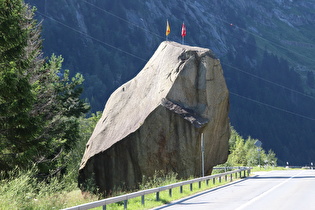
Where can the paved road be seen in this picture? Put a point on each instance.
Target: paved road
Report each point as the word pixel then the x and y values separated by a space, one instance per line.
pixel 288 189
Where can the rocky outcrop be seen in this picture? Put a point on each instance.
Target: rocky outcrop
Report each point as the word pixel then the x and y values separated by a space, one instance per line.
pixel 154 122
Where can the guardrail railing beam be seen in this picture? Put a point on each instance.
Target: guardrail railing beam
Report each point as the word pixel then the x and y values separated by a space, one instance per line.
pixel 157 190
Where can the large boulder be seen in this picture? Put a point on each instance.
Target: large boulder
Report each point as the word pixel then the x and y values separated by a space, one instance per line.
pixel 154 122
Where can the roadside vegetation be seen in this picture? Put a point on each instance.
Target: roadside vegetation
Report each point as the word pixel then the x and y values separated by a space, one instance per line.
pixel 244 152
pixel 22 190
pixel 43 124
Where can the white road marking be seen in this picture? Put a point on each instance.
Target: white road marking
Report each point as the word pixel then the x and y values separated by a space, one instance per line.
pixel 266 192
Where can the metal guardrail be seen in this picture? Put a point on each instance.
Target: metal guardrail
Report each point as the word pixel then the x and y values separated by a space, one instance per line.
pixel 157 190
pixel 228 168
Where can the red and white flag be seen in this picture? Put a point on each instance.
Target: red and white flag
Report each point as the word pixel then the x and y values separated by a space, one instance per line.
pixel 183 30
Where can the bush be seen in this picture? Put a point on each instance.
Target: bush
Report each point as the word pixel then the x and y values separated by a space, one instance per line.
pixel 244 152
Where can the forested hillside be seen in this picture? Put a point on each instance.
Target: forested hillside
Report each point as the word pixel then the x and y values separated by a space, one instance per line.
pixel 267 50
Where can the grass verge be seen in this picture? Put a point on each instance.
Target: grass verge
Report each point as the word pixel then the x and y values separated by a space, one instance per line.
pixel 22 191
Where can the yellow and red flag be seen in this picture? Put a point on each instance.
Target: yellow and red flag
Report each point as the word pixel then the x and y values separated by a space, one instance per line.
pixel 168 28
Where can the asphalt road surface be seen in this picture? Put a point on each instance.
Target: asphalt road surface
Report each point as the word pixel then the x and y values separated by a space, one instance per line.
pixel 287 189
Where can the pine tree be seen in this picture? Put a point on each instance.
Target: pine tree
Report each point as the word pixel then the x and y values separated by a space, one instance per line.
pixel 16 95
pixel 39 102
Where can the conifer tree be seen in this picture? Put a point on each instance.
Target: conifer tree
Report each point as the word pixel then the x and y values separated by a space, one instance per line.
pixel 39 102
pixel 16 95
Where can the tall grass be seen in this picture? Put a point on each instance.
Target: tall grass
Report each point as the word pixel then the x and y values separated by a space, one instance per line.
pixel 159 179
pixel 21 190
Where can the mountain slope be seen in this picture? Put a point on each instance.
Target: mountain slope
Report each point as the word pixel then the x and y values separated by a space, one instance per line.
pixel 266 49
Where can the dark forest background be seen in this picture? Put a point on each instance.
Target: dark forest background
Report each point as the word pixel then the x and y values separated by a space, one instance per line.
pixel 266 49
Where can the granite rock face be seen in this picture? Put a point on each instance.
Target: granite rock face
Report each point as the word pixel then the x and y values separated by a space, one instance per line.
pixel 154 122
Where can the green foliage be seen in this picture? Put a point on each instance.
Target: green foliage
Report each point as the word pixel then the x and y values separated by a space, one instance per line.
pixel 40 103
pixel 17 123
pixel 160 178
pixel 74 156
pixel 246 153
pixel 12 42
pixel 21 190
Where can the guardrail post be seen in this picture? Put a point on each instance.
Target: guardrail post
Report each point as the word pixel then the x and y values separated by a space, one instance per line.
pixel 191 187
pixel 225 177
pixel 240 174
pixel 125 204
pixel 199 184
pixel 245 173
pixel 220 179
pixel 181 189
pixel 104 207
pixel 231 177
pixel 213 180
pixel 157 196
pixel 170 192
pixel 142 200
pixel 207 181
